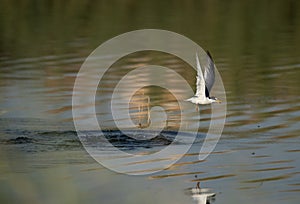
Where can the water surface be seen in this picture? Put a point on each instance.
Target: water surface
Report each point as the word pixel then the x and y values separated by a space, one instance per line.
pixel 255 46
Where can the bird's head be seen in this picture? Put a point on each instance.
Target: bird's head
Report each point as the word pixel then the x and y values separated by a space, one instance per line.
pixel 215 100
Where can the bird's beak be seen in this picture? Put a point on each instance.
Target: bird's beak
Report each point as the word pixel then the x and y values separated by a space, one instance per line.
pixel 218 101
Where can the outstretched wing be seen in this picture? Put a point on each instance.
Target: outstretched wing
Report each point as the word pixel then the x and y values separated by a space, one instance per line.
pixel 209 73
pixel 200 92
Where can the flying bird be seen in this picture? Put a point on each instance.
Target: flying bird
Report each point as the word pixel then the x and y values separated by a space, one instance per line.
pixel 204 84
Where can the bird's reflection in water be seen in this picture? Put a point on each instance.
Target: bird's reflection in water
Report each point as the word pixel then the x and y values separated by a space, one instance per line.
pixel 201 195
pixel 140 109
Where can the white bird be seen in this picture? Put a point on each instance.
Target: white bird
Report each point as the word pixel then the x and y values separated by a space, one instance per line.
pixel 204 84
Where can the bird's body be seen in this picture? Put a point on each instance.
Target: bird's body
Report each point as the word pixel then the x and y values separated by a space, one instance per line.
pixel 204 83
pixel 199 100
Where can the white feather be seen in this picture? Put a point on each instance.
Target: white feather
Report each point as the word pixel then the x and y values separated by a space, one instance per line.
pixel 200 84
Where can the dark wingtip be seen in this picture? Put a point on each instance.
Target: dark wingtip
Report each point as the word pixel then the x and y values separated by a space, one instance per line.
pixel 208 53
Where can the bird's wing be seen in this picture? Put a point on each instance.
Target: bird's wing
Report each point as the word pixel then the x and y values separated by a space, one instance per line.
pixel 209 72
pixel 200 89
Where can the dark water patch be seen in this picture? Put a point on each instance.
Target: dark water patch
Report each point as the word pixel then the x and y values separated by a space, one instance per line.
pixel 20 140
pixel 41 141
pixel 57 133
pixel 129 140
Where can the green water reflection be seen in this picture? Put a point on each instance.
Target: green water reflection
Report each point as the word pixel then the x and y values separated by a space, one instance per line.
pixel 251 36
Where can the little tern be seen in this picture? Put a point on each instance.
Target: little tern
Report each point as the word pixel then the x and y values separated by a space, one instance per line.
pixel 204 84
